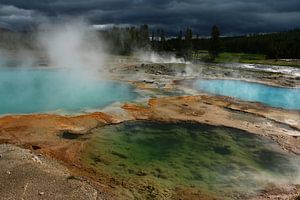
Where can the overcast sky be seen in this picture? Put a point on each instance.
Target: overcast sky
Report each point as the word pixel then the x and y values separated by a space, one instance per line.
pixel 232 16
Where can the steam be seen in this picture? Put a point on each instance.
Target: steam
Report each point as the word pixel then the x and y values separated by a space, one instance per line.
pixel 73 50
pixel 153 57
pixel 71 44
pixel 190 71
pixel 21 57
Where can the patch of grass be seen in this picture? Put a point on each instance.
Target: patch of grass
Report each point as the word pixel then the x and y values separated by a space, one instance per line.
pixel 273 62
pixel 238 57
pixel 228 57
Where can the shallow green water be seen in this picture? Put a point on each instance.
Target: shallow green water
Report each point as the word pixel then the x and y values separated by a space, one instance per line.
pixel 217 159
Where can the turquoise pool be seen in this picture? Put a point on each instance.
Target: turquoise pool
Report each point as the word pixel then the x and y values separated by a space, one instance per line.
pixel 286 98
pixel 39 90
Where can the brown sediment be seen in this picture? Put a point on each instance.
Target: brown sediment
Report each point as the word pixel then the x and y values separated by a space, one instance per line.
pixel 43 132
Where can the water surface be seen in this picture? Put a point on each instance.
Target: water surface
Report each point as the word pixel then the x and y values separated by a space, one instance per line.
pixel 287 98
pixel 216 159
pixel 28 90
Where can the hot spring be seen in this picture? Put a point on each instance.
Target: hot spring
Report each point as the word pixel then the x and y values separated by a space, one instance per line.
pixel 32 90
pixel 286 98
pixel 223 161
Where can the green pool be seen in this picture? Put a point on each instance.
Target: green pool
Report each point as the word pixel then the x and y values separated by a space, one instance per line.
pixel 219 160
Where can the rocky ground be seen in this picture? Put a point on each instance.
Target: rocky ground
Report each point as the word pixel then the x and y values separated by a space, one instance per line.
pixel 154 72
pixel 25 175
pixel 32 174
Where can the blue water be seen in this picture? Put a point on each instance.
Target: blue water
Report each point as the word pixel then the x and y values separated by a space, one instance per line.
pixel 40 90
pixel 286 98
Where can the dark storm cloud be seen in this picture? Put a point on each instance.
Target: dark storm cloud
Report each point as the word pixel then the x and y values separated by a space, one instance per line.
pixel 233 16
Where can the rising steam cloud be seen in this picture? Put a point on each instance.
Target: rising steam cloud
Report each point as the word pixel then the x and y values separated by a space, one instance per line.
pixel 71 44
pixel 153 57
pixel 73 50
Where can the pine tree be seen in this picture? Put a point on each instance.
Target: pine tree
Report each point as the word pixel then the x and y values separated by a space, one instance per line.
pixel 188 50
pixel 214 43
pixel 179 46
pixel 162 40
pixel 144 37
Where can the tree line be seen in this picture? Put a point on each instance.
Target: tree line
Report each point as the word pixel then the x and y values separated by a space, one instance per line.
pixel 273 45
pixel 285 45
pixel 124 41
